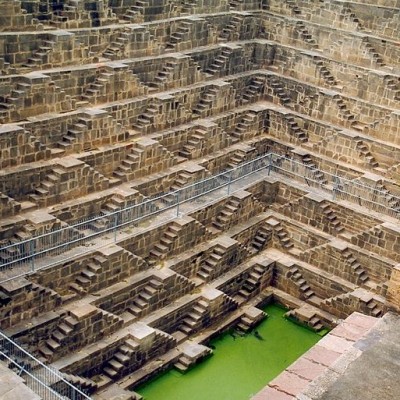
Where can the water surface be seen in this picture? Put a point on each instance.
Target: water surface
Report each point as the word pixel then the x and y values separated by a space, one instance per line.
pixel 240 365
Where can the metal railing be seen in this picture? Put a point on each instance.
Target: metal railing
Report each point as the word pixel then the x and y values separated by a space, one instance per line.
pixel 46 382
pixel 42 251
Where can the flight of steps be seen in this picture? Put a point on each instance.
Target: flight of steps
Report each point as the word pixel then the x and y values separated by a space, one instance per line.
pixel 204 107
pixel 305 34
pixel 279 91
pixel 393 86
pixel 220 62
pixel 113 205
pixel 121 358
pixel 235 4
pixel 282 237
pixel 181 34
pixel 347 13
pixel 392 201
pixel 227 214
pixel 331 216
pixel 141 302
pixel 365 154
pixel 326 74
pixel 356 268
pixel 253 90
pixel 135 12
pixel 261 239
pixel 251 284
pixel 129 164
pixel 211 263
pixel 305 292
pixel 294 128
pixel 73 135
pixel 346 115
pixel 238 157
pixel 87 276
pixel 292 6
pixel 41 55
pixel 372 53
pixel 85 385
pixel 117 46
pixel 232 30
pixel 244 126
pixel 195 319
pixel 162 248
pixel 193 144
pixel 317 174
pixel 164 76
pixel 187 6
pixel 306 317
pixel 16 97
pixel 146 119
pixel 97 88
pixel 188 359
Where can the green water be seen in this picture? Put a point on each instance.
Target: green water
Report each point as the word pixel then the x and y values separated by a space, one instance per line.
pixel 240 366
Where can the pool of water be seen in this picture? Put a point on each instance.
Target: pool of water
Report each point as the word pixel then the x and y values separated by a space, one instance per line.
pixel 240 365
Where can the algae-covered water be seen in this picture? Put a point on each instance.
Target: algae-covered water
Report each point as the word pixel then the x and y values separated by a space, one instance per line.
pixel 240 365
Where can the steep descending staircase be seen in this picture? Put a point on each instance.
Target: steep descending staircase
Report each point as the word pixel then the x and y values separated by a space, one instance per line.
pixel 305 34
pixel 147 118
pixel 244 126
pixel 294 129
pixel 252 283
pixel 356 268
pixel 227 214
pixel 347 13
pixel 73 135
pixel 326 74
pixel 97 90
pixel 192 148
pixel 141 303
pixel 161 249
pixel 40 57
pixel 238 157
pixel 253 90
pixel 296 277
pixel 261 239
pixel 292 6
pixel 195 318
pixel 232 30
pixel 366 154
pixel 317 174
pixel 181 34
pixel 211 263
pixel 220 62
pixel 136 11
pixel 375 57
pixel 164 76
pixel 331 216
pixel 207 100
pixel 282 236
pixel 279 91
pixel 117 47
pixel 121 358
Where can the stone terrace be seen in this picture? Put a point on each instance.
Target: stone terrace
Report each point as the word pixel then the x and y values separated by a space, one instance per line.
pixel 104 104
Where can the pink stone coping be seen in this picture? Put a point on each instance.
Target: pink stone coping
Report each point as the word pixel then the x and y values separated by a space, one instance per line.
pixel 321 357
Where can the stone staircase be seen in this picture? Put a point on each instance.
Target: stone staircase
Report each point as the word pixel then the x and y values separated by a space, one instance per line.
pixel 116 49
pixel 279 91
pixel 235 4
pixel 238 157
pixel 370 51
pixel 181 34
pixel 162 248
pixel 305 35
pixel 261 239
pixel 41 56
pixel 164 77
pixel 88 275
pixel 211 263
pixel 294 129
pixel 192 148
pixel 331 217
pixel 135 12
pixel 195 319
pixel 193 355
pixel 227 215
pixel 392 201
pixel 74 134
pixel 187 6
pixel 345 114
pixel 97 90
pixel 256 88
pixel 207 100
pixel 326 74
pixel 282 237
pixel 244 126
pixel 317 174
pixel 85 385
pixel 141 302
pixel 347 13
pixel 252 283
pixel 145 120
pixel 357 270
pixel 121 358
pixel 291 4
pixel 305 292
pixel 393 86
pixel 307 317
pixel 16 98
pixel 231 31
pixel 220 62
pixel 365 154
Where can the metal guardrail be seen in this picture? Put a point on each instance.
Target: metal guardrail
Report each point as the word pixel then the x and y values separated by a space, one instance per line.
pixel 32 253
pixel 46 382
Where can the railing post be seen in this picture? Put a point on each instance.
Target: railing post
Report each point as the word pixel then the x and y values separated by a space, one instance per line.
pixel 32 251
pixel 177 203
pixel 115 227
pixel 269 164
pixel 229 182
